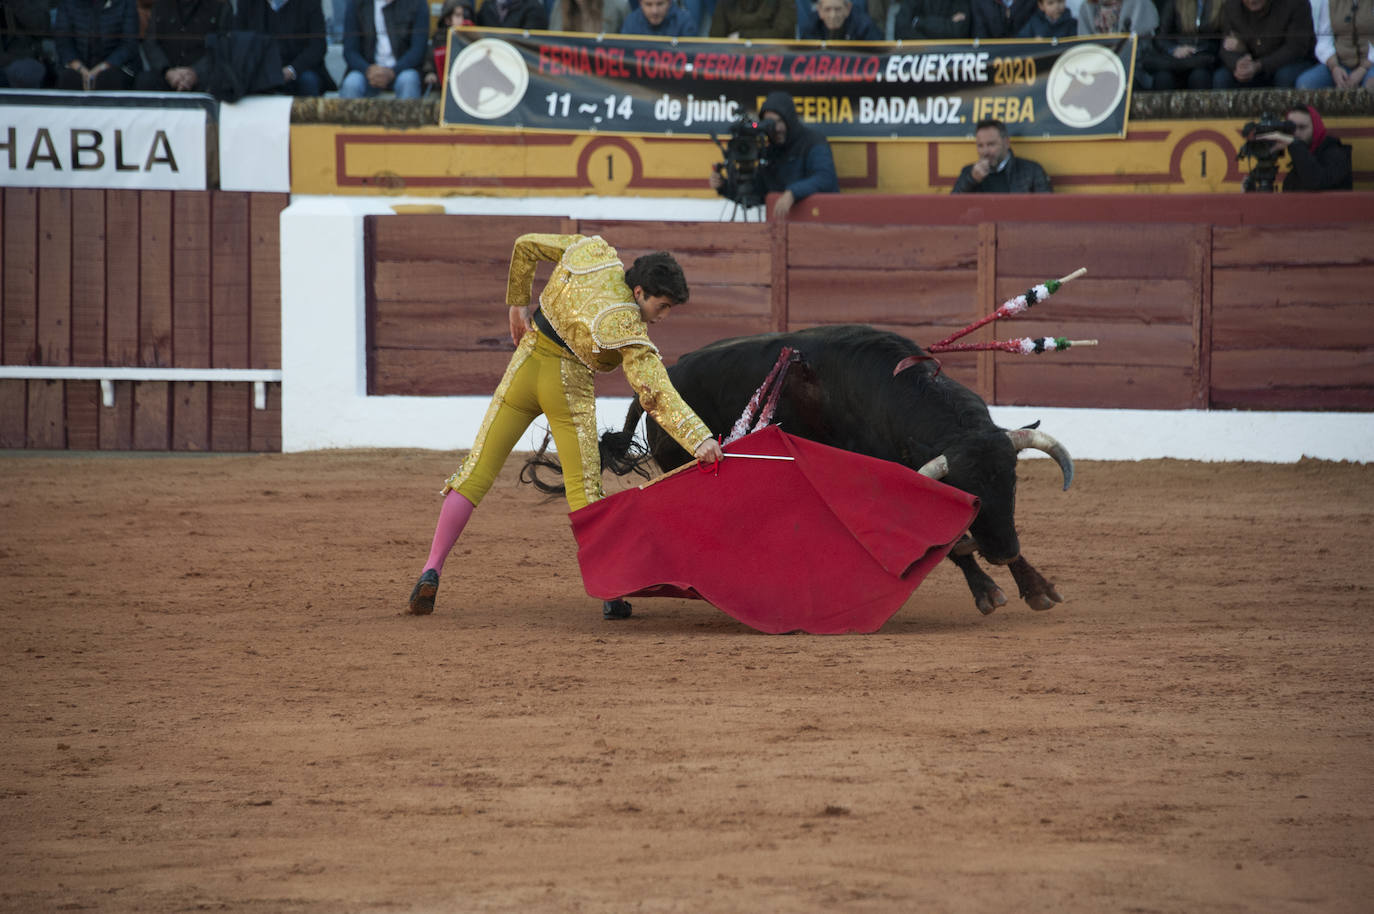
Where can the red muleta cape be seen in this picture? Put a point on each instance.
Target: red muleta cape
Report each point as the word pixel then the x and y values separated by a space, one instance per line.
pixel 827 543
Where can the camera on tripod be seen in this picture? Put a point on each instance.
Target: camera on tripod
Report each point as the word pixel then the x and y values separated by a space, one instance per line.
pixel 743 151
pixel 1265 169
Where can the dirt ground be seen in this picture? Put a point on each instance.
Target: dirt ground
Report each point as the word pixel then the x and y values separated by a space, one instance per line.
pixel 212 701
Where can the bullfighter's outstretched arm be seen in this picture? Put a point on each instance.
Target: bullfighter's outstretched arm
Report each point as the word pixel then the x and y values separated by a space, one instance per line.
pixel 649 379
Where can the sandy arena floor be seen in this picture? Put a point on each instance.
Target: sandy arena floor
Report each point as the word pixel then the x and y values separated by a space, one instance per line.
pixel 211 701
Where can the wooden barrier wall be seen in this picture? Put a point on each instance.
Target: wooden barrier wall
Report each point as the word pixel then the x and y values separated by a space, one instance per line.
pixel 1199 302
pixel 139 278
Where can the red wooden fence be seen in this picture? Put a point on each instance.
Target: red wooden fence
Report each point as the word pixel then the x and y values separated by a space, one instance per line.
pixel 1254 301
pixel 152 279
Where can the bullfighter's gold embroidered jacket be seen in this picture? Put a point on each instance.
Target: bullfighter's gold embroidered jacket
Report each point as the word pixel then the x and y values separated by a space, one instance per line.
pixel 589 305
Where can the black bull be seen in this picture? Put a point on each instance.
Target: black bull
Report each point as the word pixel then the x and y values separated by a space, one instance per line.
pixel 845 395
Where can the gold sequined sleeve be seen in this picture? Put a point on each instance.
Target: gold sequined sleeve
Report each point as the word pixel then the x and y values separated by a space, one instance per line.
pixel 529 250
pixel 646 374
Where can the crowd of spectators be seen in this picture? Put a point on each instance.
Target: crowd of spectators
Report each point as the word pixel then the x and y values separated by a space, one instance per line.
pixel 389 45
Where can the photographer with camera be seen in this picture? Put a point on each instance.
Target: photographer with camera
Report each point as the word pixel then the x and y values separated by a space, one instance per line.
pixel 1319 160
pixel 776 153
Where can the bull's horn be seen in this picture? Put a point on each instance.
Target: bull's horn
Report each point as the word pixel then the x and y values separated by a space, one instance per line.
pixel 936 469
pixel 1034 438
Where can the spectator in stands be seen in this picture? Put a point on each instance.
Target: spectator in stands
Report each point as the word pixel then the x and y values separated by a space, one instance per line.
pixel 1266 43
pixel 933 19
pixel 455 14
pixel 754 19
pixel 1107 17
pixel 1052 19
pixel 999 19
pixel 1345 46
pixel 513 14
pixel 663 18
pixel 1183 53
pixel 797 161
pixel 997 171
pixel 174 44
pixel 840 20
pixel 297 26
pixel 23 26
pixel 1319 160
pixel 97 45
pixel 385 42
pixel 592 16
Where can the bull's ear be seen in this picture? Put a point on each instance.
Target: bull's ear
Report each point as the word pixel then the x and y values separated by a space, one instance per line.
pixel 1035 424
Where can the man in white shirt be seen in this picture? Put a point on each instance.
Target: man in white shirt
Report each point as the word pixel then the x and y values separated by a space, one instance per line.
pixel 384 46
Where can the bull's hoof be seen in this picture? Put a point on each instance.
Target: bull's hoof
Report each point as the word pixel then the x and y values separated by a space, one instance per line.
pixel 988 601
pixel 615 609
pixel 1043 601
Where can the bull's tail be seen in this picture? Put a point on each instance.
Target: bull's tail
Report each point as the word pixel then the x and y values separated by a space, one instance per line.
pixel 619 451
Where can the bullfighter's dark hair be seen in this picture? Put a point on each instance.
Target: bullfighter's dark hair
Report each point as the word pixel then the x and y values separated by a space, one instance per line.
pixel 659 275
pixel 993 123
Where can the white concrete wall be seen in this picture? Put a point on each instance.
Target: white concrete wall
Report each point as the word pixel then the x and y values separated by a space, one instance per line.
pixel 324 377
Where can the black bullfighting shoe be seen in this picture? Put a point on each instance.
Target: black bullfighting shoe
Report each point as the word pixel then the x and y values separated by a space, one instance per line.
pixel 615 609
pixel 422 597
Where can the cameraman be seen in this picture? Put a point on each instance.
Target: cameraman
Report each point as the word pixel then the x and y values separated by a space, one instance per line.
pixel 1320 161
pixel 796 161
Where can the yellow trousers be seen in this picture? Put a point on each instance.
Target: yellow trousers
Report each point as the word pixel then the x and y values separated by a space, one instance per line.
pixel 545 379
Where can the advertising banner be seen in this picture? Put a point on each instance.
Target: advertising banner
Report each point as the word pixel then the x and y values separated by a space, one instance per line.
pixel 505 78
pixel 45 141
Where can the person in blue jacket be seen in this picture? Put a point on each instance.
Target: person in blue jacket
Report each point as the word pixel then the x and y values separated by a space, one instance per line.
pixel 663 18
pixel 97 44
pixel 797 161
pixel 840 20
pixel 385 42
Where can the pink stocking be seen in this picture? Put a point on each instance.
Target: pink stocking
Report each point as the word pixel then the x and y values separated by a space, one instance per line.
pixel 453 517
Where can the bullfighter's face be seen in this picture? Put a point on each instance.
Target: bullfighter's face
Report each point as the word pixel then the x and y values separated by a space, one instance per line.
pixel 653 307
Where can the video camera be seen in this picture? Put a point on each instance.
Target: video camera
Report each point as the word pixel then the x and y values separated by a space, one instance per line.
pixel 1265 169
pixel 745 149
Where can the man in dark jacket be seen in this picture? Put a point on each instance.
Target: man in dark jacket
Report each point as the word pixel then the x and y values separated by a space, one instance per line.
pixel 23 26
pixel 297 26
pixel 174 44
pixel 840 20
pixel 1319 160
pixel 796 162
pixel 513 14
pixel 995 19
pixel 384 46
pixel 1267 43
pixel 97 44
pixel 933 19
pixel 997 171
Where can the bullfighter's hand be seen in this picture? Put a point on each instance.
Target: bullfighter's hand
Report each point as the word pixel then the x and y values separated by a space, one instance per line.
pixel 709 451
pixel 784 203
pixel 519 324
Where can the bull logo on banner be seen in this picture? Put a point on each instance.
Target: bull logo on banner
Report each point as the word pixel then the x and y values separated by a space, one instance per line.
pixel 488 79
pixel 1085 86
